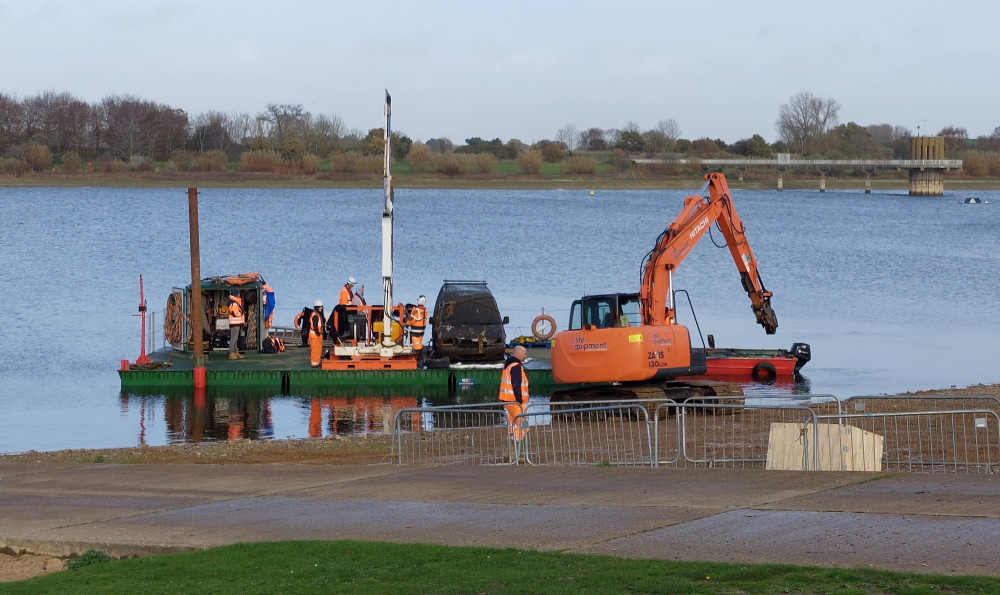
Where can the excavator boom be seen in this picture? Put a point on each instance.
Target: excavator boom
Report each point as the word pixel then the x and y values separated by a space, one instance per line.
pixel 679 238
pixel 655 347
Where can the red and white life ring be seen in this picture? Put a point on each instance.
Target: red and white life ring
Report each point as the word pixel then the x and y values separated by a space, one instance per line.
pixel 543 326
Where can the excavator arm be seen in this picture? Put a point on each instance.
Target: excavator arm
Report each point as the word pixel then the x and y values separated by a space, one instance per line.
pixel 697 216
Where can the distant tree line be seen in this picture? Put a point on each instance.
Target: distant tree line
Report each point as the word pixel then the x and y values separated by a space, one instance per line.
pixel 124 132
pixel 59 127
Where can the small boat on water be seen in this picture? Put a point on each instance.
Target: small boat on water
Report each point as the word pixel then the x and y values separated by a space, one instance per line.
pixel 760 365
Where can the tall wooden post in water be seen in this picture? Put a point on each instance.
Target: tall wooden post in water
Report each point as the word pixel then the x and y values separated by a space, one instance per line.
pixel 196 305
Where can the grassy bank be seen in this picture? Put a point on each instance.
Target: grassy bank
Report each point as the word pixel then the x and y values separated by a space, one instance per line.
pixel 499 181
pixel 374 567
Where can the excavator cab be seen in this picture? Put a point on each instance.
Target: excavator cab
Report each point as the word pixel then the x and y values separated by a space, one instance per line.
pixel 605 333
pixel 605 311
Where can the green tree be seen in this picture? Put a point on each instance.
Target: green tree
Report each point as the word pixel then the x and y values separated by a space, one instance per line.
pixel 552 151
pixel 374 143
pixel 758 147
pixel 850 141
pixel 707 148
pixel 630 141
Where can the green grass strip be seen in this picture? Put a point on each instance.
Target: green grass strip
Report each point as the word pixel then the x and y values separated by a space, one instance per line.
pixel 376 567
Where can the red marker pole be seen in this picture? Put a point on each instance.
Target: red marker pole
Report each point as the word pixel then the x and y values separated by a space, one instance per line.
pixel 196 305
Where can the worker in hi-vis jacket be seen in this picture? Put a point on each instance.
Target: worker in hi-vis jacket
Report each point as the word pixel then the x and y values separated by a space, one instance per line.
pixel 514 392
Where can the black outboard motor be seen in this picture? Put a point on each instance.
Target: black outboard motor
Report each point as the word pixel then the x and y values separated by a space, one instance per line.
pixel 802 354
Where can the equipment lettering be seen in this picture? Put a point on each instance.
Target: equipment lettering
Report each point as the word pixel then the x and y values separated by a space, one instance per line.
pixel 701 225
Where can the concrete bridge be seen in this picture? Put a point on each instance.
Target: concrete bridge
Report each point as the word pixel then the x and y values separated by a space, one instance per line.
pixel 926 175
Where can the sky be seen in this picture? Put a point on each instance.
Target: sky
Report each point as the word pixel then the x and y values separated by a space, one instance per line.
pixel 520 69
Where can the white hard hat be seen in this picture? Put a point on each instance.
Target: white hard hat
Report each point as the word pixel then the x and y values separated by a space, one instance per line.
pixel 421 300
pixel 352 280
pixel 317 304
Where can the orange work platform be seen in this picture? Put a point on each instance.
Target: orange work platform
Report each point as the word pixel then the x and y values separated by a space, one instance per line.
pixel 403 362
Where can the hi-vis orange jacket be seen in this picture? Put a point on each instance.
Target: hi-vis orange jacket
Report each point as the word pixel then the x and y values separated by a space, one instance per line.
pixel 514 382
pixel 417 320
pixel 346 295
pixel 316 324
pixel 236 310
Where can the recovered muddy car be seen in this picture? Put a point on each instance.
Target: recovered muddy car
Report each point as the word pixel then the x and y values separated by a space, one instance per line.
pixel 466 325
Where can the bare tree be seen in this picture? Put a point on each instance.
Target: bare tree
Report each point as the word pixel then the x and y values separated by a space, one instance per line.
pixel 805 120
pixel 285 120
pixel 169 130
pixel 661 139
pixel 240 127
pixel 669 129
pixel 568 135
pixel 592 139
pixel 990 142
pixel 324 134
pixel 612 136
pixel 212 132
pixel 11 121
pixel 126 125
pixel 956 139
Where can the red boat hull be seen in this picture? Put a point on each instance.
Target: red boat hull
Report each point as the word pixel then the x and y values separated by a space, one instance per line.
pixel 746 365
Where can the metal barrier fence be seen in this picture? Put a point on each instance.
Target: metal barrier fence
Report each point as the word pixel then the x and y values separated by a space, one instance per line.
pixel 964 440
pixel 896 403
pixel 592 433
pixel 451 435
pixel 721 432
pixel 755 432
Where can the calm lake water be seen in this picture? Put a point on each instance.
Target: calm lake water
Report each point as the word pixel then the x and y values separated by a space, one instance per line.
pixel 893 292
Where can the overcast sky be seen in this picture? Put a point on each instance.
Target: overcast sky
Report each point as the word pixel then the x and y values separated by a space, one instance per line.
pixel 520 69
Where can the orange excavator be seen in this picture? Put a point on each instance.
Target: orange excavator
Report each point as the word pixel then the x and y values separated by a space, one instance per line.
pixel 634 338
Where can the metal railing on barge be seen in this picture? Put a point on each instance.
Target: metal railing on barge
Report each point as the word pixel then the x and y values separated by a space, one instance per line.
pixel 885 433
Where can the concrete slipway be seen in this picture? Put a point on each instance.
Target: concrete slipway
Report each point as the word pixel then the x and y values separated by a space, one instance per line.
pixel 941 523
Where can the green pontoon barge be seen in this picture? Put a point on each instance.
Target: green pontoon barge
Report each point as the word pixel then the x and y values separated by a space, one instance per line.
pixel 288 371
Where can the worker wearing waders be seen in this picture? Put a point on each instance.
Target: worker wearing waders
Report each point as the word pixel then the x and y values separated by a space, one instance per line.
pixel 236 320
pixel 316 334
pixel 514 391
pixel 417 321
pixel 302 322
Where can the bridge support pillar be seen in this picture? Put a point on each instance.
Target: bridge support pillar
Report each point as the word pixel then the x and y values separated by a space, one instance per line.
pixel 868 182
pixel 926 182
pixel 781 181
pixel 822 181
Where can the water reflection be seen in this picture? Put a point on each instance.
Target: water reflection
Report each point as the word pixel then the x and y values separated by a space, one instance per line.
pixel 188 418
pixel 182 416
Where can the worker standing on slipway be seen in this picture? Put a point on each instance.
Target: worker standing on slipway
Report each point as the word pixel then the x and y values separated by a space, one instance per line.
pixel 236 321
pixel 514 392
pixel 417 321
pixel 316 334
